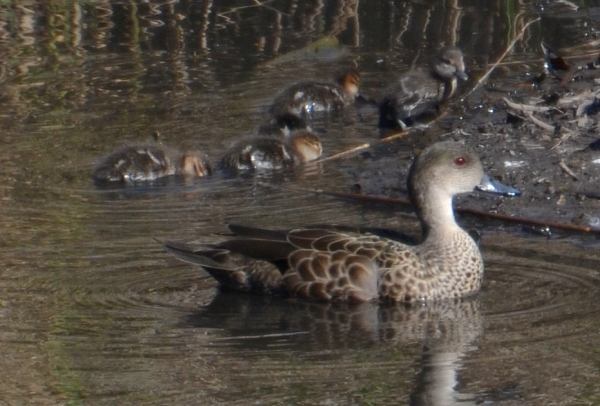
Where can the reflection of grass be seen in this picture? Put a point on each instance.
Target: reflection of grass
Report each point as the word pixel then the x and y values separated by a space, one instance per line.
pixel 511 20
pixel 590 396
pixel 69 381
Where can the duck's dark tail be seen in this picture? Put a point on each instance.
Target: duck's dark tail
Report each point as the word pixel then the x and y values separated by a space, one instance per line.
pixel 388 117
pixel 233 271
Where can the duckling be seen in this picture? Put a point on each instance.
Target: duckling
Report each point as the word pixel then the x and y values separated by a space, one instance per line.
pixel 142 163
pixel 421 90
pixel 339 264
pixel 272 153
pixel 305 98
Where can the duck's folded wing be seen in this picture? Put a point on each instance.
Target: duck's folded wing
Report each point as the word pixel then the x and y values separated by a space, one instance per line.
pixel 232 270
pixel 338 275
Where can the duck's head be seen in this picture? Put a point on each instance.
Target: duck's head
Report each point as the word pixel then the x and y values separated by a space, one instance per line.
pixel 448 167
pixel 193 165
pixel 449 64
pixel 349 79
pixel 306 144
pixel 444 170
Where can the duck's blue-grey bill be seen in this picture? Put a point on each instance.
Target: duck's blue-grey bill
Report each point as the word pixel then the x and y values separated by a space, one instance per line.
pixel 489 185
pixel 462 75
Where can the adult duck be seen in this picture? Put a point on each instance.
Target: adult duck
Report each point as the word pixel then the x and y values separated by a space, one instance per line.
pixel 338 264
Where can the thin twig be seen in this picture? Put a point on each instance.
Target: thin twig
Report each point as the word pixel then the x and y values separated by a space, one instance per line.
pixel 567 170
pixel 495 65
pixel 525 107
pixel 367 145
pixel 539 122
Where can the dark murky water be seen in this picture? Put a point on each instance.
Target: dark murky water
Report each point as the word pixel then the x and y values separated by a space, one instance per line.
pixel 93 311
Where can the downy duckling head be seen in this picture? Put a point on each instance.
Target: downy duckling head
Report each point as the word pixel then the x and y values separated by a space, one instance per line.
pixel 193 165
pixel 349 80
pixel 449 64
pixel 306 144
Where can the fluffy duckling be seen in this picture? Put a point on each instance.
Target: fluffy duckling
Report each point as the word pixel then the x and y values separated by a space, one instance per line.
pixel 272 153
pixel 305 98
pixel 422 90
pixel 142 163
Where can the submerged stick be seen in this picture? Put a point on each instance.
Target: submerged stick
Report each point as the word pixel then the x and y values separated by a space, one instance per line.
pixel 403 202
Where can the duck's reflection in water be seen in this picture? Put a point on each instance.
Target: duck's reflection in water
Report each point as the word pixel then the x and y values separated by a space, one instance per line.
pixel 446 330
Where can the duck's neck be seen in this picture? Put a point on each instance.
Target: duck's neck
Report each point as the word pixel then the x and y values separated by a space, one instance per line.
pixel 450 84
pixel 434 208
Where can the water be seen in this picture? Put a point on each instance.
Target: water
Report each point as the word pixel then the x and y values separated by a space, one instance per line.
pixel 93 311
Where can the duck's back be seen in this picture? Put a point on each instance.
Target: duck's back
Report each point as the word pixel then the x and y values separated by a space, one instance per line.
pixel 415 93
pixel 257 153
pixel 305 98
pixel 134 163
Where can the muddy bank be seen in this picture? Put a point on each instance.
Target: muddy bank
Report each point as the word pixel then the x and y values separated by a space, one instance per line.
pixel 545 144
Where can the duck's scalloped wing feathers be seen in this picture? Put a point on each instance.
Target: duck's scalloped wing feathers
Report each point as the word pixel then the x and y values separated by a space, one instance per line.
pixel 390 234
pixel 308 238
pixel 331 276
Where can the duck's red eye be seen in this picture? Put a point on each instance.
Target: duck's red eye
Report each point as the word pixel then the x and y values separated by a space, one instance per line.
pixel 460 161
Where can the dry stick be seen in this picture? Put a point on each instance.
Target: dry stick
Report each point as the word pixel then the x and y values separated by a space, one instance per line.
pixel 366 145
pixel 403 202
pixel 540 123
pixel 495 65
pixel 566 170
pixel 526 107
pixel 549 127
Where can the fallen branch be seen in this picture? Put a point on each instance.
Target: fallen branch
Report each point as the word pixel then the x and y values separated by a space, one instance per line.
pixel 475 212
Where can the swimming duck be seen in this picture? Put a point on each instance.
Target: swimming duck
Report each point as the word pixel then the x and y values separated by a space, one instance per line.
pixel 421 91
pixel 336 264
pixel 142 163
pixel 272 153
pixel 305 98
